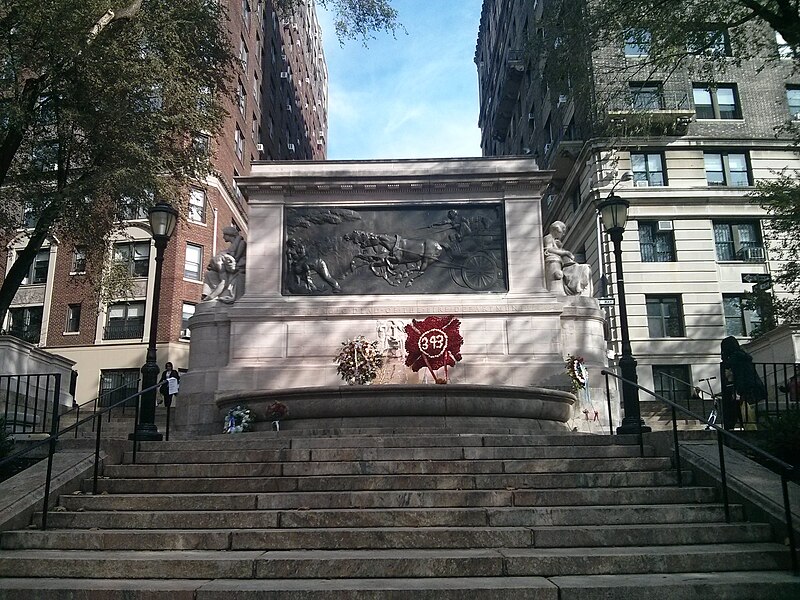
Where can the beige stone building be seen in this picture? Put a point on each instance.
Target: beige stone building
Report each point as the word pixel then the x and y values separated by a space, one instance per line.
pixel 685 153
pixel 279 112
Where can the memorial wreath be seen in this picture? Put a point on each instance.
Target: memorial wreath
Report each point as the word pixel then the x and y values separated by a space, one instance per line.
pixel 359 361
pixel 239 419
pixel 577 372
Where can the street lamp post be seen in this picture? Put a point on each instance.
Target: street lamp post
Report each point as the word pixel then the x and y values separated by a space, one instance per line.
pixel 163 219
pixel 614 213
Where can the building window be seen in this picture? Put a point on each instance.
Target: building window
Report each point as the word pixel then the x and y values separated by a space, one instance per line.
pixel 118 384
pixel 713 41
pixel 664 316
pixel 646 95
pixel 673 382
pixel 739 319
pixel 241 96
pixel 197 205
pixel 246 13
pixel 79 259
pixel 727 169
pixel 720 102
pixel 648 169
pixel 38 269
pixel 131 209
pixel 125 321
pixel 26 323
pixel 793 100
pixel 656 241
pixel 637 42
pixel 243 53
pixel 193 263
pixel 73 318
pixel 738 241
pixel 135 255
pixel 187 312
pixel 238 140
pixel 201 142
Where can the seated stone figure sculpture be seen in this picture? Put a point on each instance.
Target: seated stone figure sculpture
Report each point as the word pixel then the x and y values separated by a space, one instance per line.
pixel 225 274
pixel 563 274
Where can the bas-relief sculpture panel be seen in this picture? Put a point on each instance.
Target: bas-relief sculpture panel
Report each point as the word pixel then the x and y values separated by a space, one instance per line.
pixel 417 249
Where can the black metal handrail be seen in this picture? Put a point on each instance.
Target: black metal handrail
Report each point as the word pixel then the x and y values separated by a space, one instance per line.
pixel 786 471
pixel 55 434
pixel 32 394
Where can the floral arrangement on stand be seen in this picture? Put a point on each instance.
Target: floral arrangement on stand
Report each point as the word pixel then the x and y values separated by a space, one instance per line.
pixel 577 372
pixel 579 376
pixel 238 420
pixel 359 361
pixel 275 412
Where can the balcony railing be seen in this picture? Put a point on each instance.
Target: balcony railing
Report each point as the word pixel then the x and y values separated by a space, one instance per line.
pixel 124 329
pixel 646 102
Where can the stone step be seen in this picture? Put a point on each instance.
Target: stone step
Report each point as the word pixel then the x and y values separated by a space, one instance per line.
pixel 514 562
pixel 388 467
pixel 393 517
pixel 745 585
pixel 389 499
pixel 379 454
pixel 262 440
pixel 389 537
pixel 232 485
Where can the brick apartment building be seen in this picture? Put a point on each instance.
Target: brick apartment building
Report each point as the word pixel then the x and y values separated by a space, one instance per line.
pixel 279 113
pixel 693 151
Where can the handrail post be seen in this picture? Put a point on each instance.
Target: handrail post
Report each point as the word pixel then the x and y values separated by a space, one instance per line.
pixel 169 409
pixel 51 450
pixel 608 402
pixel 723 477
pixel 677 446
pixel 96 456
pixel 135 420
pixel 789 528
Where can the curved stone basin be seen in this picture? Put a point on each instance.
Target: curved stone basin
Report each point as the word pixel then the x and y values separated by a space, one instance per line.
pixel 463 407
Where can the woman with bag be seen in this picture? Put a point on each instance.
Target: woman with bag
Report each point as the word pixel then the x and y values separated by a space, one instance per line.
pixel 740 384
pixel 171 382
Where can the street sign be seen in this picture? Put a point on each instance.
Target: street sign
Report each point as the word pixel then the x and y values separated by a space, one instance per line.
pixel 607 301
pixel 763 286
pixel 757 278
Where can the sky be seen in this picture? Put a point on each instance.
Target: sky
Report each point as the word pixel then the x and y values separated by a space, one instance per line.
pixel 415 96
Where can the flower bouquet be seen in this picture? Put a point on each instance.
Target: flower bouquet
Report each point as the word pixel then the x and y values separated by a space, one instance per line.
pixel 239 419
pixel 359 361
pixel 275 412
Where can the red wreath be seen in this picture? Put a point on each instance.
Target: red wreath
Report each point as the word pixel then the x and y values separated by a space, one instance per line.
pixel 434 342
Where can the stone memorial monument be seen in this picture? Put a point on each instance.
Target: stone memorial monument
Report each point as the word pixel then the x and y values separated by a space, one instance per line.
pixel 339 249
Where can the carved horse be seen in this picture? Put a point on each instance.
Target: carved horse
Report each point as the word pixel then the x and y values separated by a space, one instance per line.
pixel 385 252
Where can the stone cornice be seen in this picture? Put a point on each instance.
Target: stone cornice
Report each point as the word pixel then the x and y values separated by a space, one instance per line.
pixel 429 176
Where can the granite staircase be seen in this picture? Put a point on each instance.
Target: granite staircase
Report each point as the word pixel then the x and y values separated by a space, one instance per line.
pixel 367 515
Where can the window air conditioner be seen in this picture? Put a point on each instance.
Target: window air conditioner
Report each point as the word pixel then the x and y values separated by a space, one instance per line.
pixel 531 116
pixel 664 226
pixel 547 148
pixel 284 74
pixel 290 147
pixel 752 254
pixel 562 99
pixel 260 147
pixel 186 333
pixel 641 183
